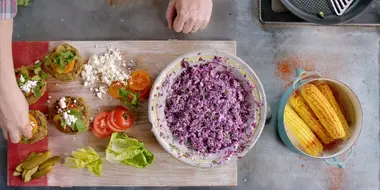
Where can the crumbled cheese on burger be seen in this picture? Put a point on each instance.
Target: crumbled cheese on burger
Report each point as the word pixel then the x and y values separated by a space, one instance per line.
pixel 22 79
pixel 105 68
pixel 62 103
pixel 69 119
pixel 28 86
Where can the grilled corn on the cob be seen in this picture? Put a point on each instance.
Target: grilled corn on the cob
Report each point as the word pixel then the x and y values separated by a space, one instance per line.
pixel 323 110
pixel 303 110
pixel 326 91
pixel 308 141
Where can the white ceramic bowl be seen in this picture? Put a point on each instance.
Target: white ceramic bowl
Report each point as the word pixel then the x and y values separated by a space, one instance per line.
pixel 162 132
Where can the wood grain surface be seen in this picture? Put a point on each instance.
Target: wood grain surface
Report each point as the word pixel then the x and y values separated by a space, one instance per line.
pixel 151 56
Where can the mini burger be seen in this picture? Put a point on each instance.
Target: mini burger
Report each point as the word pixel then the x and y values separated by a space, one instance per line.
pixel 70 115
pixel 39 126
pixel 63 63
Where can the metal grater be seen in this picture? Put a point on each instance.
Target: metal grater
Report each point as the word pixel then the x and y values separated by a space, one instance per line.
pixel 340 6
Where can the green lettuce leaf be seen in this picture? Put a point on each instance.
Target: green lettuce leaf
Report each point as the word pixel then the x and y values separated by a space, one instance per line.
pixel 128 151
pixel 23 2
pixel 88 158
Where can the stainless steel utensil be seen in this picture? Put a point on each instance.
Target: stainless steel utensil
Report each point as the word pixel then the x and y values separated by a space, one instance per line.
pixel 340 6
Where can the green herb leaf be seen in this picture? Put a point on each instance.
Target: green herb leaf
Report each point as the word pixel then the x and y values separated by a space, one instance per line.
pixel 38 63
pixel 44 75
pixel 23 2
pixel 47 60
pixel 37 70
pixel 19 83
pixel 37 90
pixel 24 72
pixel 63 123
pixel 79 124
pixel 126 95
pixel 36 78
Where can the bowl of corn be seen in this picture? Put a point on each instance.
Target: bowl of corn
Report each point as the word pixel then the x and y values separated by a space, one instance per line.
pixel 320 118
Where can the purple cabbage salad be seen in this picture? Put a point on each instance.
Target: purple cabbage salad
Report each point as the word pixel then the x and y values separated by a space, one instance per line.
pixel 206 108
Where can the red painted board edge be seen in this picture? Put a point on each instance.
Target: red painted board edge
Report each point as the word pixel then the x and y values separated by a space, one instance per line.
pixel 27 53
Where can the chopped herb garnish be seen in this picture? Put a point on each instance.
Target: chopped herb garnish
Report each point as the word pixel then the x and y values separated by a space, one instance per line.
pixel 63 58
pixel 38 63
pixel 36 78
pixel 37 90
pixel 63 123
pixel 47 60
pixel 24 72
pixel 37 70
pixel 44 75
pixel 79 124
pixel 127 95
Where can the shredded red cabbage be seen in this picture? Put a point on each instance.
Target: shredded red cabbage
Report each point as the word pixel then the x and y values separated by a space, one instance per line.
pixel 206 108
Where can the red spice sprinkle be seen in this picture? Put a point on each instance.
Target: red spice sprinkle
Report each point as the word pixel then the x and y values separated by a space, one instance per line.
pixel 336 178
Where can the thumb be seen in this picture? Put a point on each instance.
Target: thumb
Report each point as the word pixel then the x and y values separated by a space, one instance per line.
pixel 170 13
pixel 27 131
pixel 14 135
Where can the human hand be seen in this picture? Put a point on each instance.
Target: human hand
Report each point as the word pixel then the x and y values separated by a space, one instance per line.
pixel 14 113
pixel 188 15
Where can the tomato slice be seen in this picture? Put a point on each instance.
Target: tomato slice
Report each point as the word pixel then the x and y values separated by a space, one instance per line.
pixel 68 68
pixel 112 125
pixel 33 124
pixel 100 127
pixel 122 118
pixel 139 80
pixel 144 94
pixel 113 90
pixel 98 135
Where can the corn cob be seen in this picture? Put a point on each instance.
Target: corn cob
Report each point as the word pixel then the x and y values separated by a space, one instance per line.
pixel 303 110
pixel 326 91
pixel 323 110
pixel 308 141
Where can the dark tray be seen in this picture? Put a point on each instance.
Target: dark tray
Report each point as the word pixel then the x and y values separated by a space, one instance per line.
pixel 371 17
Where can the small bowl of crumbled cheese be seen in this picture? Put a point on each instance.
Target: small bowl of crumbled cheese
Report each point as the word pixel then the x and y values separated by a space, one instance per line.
pixel 207 108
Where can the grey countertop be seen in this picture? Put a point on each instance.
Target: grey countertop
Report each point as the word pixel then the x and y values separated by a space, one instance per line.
pixel 349 54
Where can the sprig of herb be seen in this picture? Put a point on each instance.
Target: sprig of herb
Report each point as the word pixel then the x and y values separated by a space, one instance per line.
pixel 127 95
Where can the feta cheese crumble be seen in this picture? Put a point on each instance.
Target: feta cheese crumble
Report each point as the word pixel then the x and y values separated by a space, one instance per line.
pixel 62 103
pixel 22 79
pixel 69 119
pixel 28 86
pixel 105 68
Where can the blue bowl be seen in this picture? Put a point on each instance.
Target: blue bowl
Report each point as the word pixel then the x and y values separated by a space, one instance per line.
pixel 355 116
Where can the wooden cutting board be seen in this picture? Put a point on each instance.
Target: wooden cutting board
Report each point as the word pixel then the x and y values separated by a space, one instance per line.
pixel 151 56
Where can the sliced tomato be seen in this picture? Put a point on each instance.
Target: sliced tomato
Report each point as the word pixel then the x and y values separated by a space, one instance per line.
pixel 100 127
pixel 122 118
pixel 33 124
pixel 139 80
pixel 68 68
pixel 113 90
pixel 111 123
pixel 144 94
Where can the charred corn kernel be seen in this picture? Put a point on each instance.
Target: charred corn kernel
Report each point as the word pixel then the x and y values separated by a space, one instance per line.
pixel 323 110
pixel 304 111
pixel 326 91
pixel 308 141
